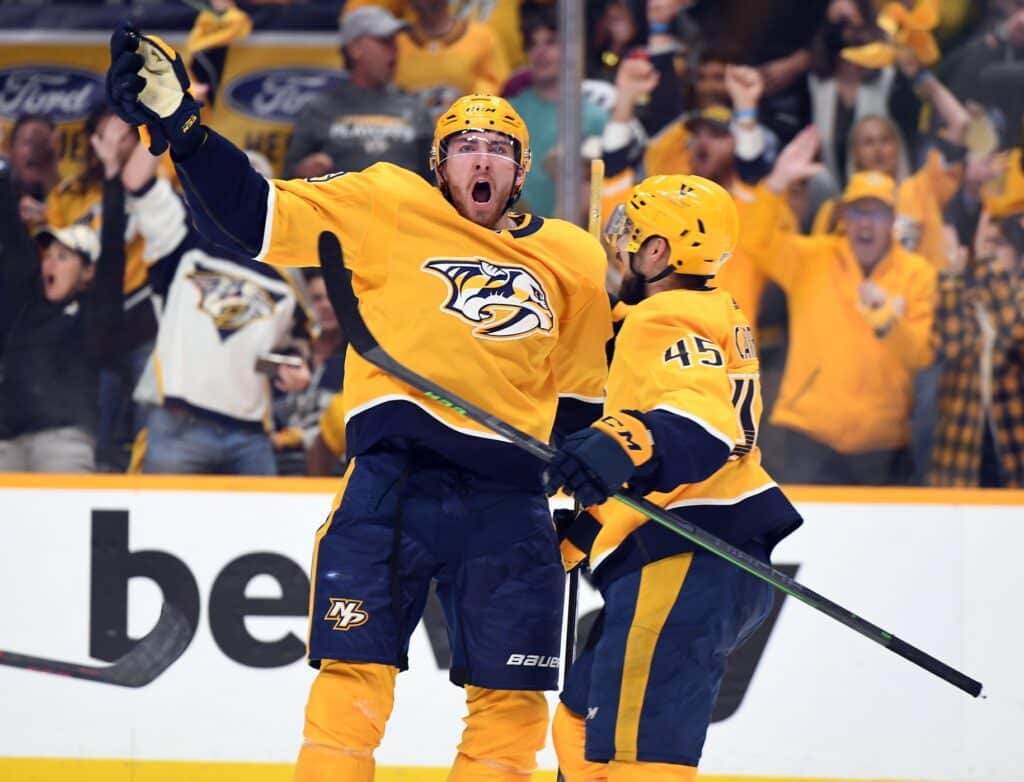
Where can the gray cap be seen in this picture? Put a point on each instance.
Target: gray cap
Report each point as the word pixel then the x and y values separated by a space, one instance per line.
pixel 370 20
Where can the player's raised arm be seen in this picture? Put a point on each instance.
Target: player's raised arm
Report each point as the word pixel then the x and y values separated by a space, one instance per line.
pixel 147 85
pixel 231 203
pixel 777 251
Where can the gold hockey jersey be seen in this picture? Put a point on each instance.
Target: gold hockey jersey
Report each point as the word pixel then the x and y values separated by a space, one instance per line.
pixel 510 320
pixel 686 360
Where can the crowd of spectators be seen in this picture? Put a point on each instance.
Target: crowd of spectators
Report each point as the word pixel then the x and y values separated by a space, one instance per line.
pixel 873 149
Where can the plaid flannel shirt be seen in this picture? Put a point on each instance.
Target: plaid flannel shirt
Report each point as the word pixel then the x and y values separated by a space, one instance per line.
pixel 956 454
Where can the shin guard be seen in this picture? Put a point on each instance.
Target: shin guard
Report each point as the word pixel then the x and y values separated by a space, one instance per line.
pixel 638 771
pixel 504 731
pixel 348 707
pixel 569 734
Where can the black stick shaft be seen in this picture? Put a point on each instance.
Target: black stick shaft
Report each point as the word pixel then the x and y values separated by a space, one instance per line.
pixel 58 667
pixel 571 611
pixel 569 656
pixel 339 288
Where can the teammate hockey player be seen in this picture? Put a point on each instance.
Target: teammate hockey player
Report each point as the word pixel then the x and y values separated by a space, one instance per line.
pixel 484 301
pixel 680 425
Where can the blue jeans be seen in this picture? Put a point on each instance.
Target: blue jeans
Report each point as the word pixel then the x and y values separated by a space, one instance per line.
pixel 183 443
pixel 922 419
pixel 119 418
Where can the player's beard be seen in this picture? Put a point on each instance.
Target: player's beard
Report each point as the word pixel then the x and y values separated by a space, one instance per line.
pixel 488 216
pixel 632 290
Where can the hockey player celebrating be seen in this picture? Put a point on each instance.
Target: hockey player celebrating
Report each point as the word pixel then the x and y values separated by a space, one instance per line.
pixel 485 301
pixel 680 425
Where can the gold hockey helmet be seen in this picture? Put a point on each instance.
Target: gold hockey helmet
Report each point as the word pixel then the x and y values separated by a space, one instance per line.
pixel 481 113
pixel 696 216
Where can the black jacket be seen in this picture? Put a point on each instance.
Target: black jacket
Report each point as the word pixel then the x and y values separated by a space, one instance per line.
pixel 52 352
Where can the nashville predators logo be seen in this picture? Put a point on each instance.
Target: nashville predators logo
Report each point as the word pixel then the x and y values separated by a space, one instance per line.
pixel 507 302
pixel 231 302
pixel 346 613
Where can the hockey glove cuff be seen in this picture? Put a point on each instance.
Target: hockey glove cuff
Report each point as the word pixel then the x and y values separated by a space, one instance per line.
pixel 594 463
pixel 630 431
pixel 147 86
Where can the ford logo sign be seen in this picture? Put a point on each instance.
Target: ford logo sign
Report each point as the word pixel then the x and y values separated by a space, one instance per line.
pixel 61 93
pixel 279 94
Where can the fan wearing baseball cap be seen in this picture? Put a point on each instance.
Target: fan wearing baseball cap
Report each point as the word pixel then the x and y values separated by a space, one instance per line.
pixel 65 321
pixel 869 208
pixel 364 118
pixel 861 309
pixel 68 258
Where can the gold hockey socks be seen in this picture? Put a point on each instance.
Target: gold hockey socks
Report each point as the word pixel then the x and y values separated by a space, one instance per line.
pixel 638 771
pixel 569 734
pixel 348 707
pixel 504 731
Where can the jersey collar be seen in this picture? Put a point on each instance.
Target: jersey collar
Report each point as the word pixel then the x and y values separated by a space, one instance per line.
pixel 526 225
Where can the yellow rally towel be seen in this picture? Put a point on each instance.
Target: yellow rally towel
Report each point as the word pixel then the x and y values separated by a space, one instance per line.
pixel 910 29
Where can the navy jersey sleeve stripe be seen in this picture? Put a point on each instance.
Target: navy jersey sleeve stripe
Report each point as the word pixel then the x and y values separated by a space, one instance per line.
pixel 685 452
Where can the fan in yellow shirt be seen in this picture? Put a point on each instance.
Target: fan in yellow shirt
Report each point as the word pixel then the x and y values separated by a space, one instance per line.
pixel 502 16
pixel 860 309
pixel 442 56
pixel 921 197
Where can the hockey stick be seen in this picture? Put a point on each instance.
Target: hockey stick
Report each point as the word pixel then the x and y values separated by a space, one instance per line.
pixel 149 658
pixel 339 290
pixel 569 654
pixel 572 608
pixel 596 185
pixel 572 604
pixel 594 228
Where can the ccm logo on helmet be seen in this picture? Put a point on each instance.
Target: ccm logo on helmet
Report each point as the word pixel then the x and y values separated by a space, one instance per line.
pixel 534 661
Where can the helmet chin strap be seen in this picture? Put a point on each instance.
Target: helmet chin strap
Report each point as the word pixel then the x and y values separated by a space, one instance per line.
pixel 648 280
pixel 515 191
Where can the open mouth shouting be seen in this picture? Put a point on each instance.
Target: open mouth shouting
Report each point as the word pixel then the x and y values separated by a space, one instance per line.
pixel 482 192
pixel 53 289
pixel 864 238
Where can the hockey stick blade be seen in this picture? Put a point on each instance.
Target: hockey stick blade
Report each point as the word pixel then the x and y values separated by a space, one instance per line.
pixel 346 306
pixel 149 658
